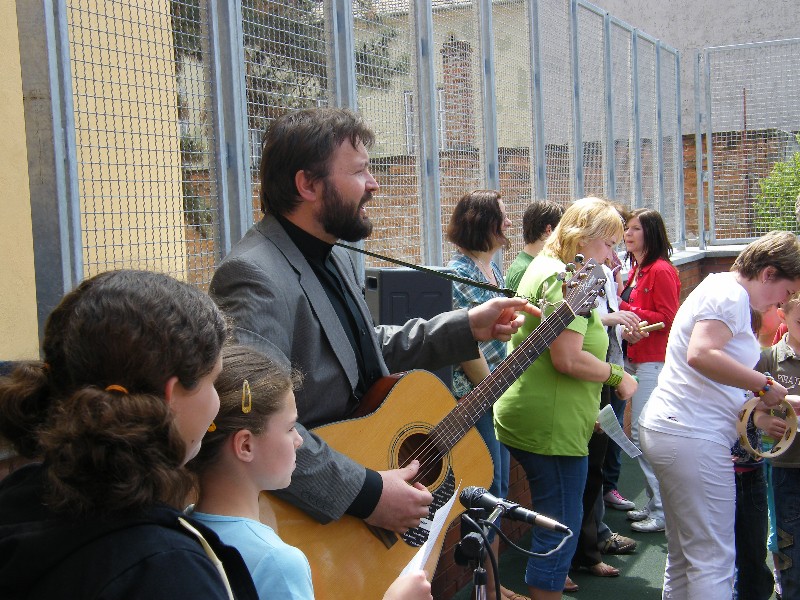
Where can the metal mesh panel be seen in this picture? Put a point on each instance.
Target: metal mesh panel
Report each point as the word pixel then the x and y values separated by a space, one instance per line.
pixel 557 100
pixel 457 53
pixel 591 73
pixel 622 113
pixel 671 146
pixel 143 135
pixel 387 97
pixel 648 133
pixel 144 114
pixel 514 115
pixel 755 118
pixel 285 67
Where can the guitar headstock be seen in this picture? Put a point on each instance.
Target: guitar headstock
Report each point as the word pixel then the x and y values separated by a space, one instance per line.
pixel 583 286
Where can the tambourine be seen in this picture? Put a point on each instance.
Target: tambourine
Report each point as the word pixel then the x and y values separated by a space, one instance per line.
pixel 782 444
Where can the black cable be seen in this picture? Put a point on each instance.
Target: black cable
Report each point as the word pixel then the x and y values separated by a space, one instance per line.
pixel 487 545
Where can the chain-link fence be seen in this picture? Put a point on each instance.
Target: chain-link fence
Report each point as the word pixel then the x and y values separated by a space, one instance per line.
pixel 537 98
pixel 749 121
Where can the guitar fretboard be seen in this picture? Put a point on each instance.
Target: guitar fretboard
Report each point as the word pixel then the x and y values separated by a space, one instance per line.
pixel 475 404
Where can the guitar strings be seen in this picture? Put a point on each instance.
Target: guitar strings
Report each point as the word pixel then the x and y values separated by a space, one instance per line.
pixel 474 404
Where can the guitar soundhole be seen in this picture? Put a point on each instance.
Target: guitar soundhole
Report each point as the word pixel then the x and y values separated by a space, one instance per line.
pixel 421 447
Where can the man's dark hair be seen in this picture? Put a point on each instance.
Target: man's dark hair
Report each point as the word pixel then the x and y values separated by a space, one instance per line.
pixel 304 140
pixel 538 215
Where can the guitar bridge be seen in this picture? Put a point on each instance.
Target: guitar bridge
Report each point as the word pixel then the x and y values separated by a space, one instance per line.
pixel 388 538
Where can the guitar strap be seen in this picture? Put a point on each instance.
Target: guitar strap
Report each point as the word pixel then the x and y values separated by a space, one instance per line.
pixel 507 292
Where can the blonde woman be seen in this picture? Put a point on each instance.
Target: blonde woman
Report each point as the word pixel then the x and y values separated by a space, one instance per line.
pixel 547 416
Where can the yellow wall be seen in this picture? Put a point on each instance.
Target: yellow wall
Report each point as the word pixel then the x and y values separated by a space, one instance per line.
pixel 126 134
pixel 18 325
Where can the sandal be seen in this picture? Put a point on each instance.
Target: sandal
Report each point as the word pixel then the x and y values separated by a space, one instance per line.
pixel 601 569
pixel 570 586
pixel 511 594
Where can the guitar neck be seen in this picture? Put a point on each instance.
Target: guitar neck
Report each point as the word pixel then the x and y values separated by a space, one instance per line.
pixel 475 404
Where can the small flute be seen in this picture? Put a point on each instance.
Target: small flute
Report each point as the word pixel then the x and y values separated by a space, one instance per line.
pixel 644 327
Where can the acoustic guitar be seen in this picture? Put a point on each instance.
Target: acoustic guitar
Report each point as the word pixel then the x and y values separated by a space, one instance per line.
pixel 405 417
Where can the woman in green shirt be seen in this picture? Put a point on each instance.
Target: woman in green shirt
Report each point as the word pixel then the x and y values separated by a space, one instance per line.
pixel 547 416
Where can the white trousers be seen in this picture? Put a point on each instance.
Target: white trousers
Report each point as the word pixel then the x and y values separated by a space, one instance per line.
pixel 647 373
pixel 698 491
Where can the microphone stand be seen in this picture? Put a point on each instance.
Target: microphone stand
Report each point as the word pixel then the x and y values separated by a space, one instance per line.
pixel 473 546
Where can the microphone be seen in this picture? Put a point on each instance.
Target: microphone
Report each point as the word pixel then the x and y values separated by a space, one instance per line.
pixel 478 497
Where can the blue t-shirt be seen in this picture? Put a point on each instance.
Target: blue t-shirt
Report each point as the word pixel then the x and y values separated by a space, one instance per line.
pixel 278 569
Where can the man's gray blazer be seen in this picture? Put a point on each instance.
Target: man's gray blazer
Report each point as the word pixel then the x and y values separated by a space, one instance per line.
pixel 279 307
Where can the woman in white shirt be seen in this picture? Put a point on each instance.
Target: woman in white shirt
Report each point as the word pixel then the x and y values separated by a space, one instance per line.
pixel 689 423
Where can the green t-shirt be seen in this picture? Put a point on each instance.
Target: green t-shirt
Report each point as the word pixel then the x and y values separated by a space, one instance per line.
pixel 517 270
pixel 544 411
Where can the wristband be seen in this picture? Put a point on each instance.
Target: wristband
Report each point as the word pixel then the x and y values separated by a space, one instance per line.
pixel 617 372
pixel 767 386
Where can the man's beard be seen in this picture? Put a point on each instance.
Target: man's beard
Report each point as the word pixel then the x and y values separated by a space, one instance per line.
pixel 341 220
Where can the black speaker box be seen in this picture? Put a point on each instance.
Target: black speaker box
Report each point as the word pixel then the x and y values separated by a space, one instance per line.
pixel 396 294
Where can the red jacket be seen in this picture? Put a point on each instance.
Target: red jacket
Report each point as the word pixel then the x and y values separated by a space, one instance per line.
pixel 654 299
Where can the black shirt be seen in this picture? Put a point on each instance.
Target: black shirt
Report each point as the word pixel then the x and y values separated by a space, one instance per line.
pixel 318 254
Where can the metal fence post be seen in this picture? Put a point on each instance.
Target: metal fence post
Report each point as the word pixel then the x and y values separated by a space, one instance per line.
pixel 610 153
pixel 232 151
pixel 698 154
pixel 637 141
pixel 488 94
pixel 679 138
pixel 537 102
pixel 709 148
pixel 659 132
pixel 577 133
pixel 429 179
pixel 342 53
pixel 52 154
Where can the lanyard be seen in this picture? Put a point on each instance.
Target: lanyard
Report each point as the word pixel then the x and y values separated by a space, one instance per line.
pixel 507 292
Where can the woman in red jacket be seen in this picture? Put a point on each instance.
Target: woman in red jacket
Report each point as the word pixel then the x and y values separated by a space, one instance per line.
pixel 652 292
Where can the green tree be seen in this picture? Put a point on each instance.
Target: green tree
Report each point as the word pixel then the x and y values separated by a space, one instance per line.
pixel 775 204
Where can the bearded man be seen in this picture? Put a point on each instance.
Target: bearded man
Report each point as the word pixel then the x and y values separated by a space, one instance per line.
pixel 293 294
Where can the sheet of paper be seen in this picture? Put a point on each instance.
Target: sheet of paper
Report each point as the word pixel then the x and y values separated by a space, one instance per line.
pixel 609 424
pixel 439 521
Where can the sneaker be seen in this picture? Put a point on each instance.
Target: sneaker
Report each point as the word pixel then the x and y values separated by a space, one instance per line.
pixel 649 525
pixel 638 515
pixel 617 544
pixel 614 499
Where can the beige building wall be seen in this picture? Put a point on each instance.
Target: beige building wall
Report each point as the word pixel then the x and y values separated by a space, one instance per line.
pixel 126 122
pixel 18 324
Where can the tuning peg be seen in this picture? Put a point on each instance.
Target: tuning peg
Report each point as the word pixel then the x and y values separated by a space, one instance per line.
pixel 570 267
pixel 602 293
pixel 561 276
pixel 602 281
pixel 579 258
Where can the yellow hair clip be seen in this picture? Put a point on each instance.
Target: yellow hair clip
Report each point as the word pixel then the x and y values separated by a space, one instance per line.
pixel 117 388
pixel 247 398
pixel 212 427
